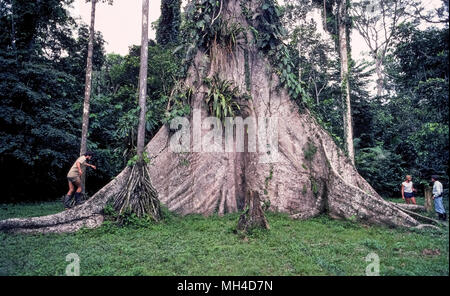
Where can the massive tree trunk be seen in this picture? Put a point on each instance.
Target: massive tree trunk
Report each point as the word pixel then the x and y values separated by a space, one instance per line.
pixel 87 90
pixel 345 84
pixel 306 176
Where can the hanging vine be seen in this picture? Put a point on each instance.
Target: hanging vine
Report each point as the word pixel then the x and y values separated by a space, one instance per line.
pixel 268 34
pixel 205 27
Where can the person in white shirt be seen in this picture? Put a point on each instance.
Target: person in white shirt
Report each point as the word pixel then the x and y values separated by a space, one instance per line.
pixel 437 196
pixel 408 190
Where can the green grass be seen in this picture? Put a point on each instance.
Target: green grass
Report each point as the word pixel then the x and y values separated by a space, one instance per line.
pixel 195 245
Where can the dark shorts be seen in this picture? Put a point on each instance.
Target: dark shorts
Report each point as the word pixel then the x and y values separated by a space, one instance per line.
pixel 409 194
pixel 74 180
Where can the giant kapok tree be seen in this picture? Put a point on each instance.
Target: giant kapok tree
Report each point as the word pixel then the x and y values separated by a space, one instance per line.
pixel 238 65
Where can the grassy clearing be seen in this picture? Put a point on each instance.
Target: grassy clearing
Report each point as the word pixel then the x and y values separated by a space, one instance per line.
pixel 195 245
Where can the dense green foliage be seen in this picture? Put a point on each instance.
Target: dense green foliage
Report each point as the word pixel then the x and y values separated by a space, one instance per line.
pixel 269 35
pixel 168 30
pixel 114 109
pixel 41 81
pixel 221 97
pixel 404 132
pixel 195 245
pixel 42 74
pixel 409 128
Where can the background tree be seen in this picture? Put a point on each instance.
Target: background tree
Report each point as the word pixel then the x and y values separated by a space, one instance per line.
pixel 115 112
pixel 436 16
pixel 377 22
pixel 168 29
pixel 383 155
pixel 338 25
pixel 138 195
pixel 317 59
pixel 88 84
pixel 143 85
pixel 40 62
pixel 409 129
pixel 343 24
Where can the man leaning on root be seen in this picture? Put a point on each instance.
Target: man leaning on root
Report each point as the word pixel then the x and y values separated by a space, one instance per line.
pixel 74 179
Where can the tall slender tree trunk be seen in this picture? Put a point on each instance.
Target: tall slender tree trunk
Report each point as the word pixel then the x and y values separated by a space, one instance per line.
pixel 345 84
pixel 143 83
pixel 380 78
pixel 13 31
pixel 87 90
pixel 138 195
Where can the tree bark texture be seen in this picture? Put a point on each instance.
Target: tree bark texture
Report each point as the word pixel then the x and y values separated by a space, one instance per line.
pixel 253 217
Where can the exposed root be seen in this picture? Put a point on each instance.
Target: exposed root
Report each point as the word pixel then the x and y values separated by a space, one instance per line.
pixel 410 207
pixel 72 226
pixel 424 226
pixel 350 202
pixel 419 217
pixel 138 195
pixel 88 214
pixel 254 216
